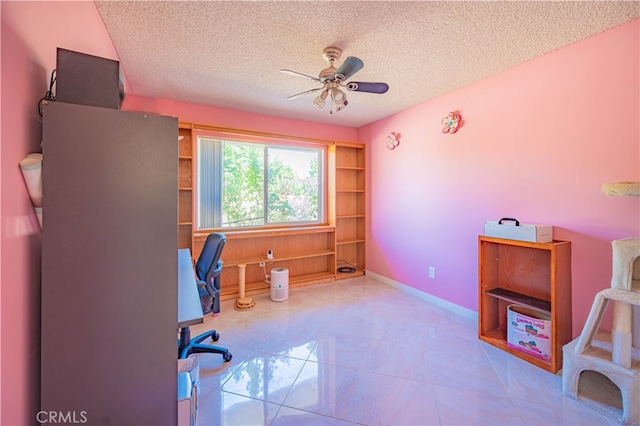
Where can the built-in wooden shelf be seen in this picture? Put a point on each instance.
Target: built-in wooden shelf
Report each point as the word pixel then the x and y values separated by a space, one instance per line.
pixel 310 253
pixel 185 187
pixel 260 287
pixel 352 241
pixel 290 256
pixel 349 168
pixel 307 252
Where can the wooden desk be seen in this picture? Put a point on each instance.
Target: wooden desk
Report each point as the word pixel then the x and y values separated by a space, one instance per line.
pixel 189 307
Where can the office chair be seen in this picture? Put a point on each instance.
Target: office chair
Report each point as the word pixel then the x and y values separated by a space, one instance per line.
pixel 208 269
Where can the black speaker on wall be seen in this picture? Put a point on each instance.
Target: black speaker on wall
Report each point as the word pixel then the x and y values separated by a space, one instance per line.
pixel 88 80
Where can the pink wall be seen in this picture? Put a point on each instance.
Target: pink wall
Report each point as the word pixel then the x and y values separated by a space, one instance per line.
pixel 22 85
pixel 538 142
pixel 46 25
pixel 239 120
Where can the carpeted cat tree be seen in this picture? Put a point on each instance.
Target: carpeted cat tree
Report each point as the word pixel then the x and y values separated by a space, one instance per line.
pixel 617 360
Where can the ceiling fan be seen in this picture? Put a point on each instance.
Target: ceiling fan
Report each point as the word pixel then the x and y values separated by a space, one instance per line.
pixel 332 79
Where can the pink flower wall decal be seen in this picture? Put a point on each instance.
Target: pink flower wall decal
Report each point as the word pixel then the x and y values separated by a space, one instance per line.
pixel 451 122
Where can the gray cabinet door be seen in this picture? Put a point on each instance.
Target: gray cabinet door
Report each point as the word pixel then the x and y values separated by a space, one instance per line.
pixel 109 266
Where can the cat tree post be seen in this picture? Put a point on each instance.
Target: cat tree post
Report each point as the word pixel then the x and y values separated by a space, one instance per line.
pixel 626 277
pixel 243 303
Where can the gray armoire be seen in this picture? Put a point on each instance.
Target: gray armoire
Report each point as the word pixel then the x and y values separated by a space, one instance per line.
pixel 109 266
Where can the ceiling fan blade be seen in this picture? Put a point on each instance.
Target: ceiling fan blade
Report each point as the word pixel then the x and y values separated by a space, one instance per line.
pixel 359 86
pixel 349 67
pixel 306 92
pixel 298 74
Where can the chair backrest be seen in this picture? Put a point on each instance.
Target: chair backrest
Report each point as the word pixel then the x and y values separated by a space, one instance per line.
pixel 208 260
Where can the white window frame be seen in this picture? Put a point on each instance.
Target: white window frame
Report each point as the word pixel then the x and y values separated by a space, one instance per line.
pixel 215 186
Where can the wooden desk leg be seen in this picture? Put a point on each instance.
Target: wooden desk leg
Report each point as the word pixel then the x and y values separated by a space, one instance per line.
pixel 243 303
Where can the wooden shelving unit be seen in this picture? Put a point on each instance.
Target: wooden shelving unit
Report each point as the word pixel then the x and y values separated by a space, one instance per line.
pixel 534 275
pixel 350 208
pixel 312 254
pixel 185 187
pixel 307 252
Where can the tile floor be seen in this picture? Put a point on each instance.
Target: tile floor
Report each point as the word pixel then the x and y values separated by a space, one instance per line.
pixel 359 351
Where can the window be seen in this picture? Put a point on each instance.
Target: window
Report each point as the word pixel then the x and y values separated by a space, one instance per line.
pixel 247 183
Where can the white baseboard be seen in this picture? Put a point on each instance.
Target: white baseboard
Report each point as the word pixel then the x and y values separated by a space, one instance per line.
pixel 445 304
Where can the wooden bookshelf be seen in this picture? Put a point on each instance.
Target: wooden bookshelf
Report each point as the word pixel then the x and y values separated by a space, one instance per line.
pixel 350 208
pixel 185 187
pixel 533 275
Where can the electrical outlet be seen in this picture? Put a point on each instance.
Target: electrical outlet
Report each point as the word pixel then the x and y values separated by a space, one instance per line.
pixel 261 264
pixel 432 272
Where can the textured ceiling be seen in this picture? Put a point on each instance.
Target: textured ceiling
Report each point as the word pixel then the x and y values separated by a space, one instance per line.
pixel 229 53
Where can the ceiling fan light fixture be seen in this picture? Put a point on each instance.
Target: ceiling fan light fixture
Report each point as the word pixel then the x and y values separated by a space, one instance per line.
pixel 338 99
pixel 338 96
pixel 321 98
